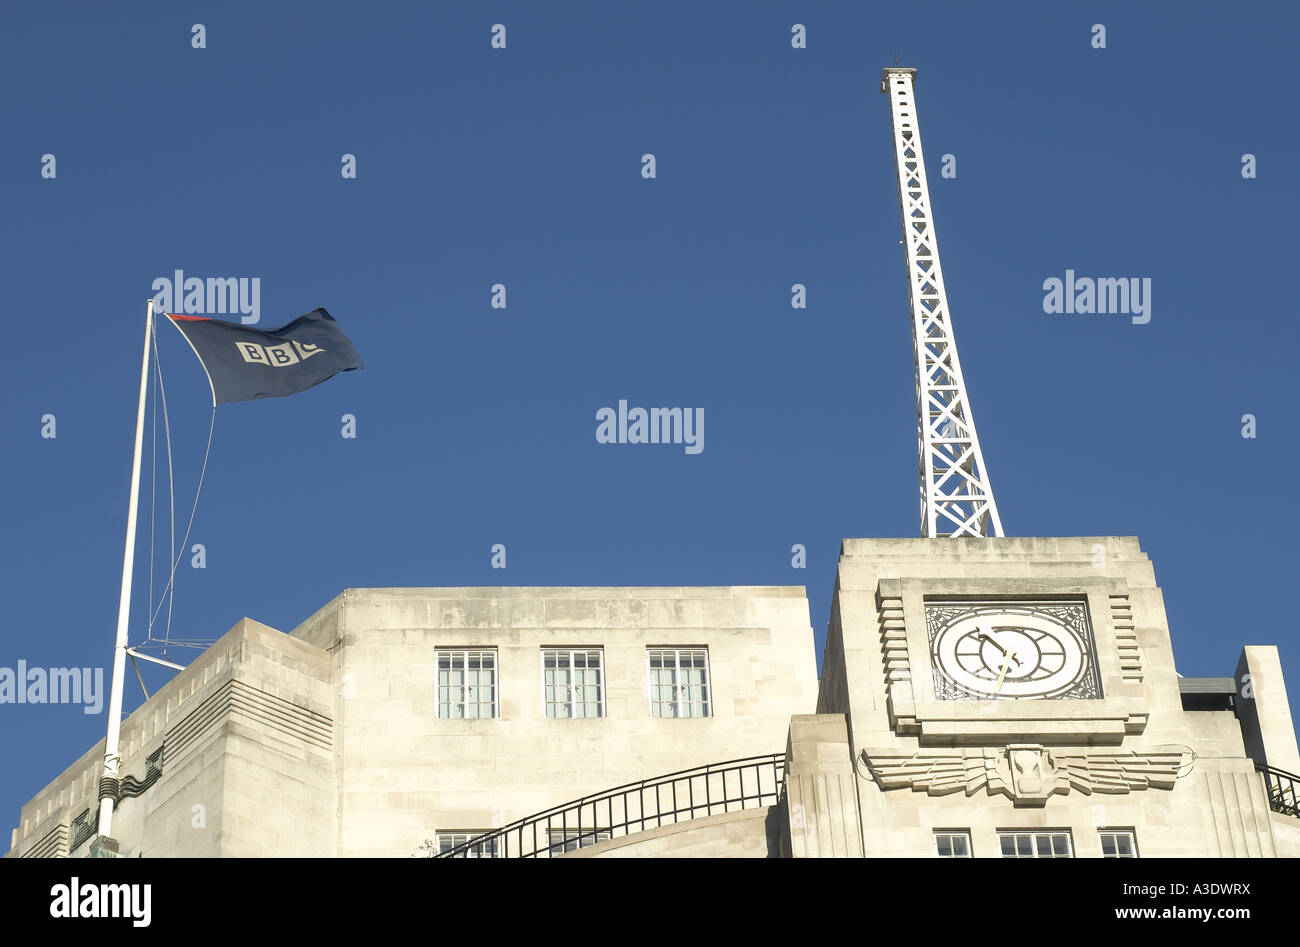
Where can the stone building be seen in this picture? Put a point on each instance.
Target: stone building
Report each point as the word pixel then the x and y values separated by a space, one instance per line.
pixel 978 697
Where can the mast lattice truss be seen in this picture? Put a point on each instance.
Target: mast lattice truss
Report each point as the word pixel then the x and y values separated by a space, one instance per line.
pixel 956 496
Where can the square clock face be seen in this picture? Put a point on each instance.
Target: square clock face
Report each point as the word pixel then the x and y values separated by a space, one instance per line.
pixel 1012 650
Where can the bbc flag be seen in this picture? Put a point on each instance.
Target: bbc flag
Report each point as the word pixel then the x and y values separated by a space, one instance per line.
pixel 243 363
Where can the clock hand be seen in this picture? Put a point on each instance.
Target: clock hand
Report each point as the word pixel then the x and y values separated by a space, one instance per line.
pixel 1005 653
pixel 997 691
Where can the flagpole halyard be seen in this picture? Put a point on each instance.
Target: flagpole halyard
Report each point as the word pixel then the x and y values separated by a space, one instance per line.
pixel 109 781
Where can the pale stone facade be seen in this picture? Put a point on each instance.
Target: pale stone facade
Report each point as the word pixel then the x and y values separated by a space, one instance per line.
pixel 328 741
pixel 336 739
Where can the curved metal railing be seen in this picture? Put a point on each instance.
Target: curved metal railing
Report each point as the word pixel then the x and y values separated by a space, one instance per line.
pixel 749 783
pixel 1283 790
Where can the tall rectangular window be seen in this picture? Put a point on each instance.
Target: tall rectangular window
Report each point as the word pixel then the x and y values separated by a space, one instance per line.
pixel 467 684
pixel 952 844
pixel 573 682
pixel 1118 843
pixel 679 682
pixel 488 848
pixel 1035 844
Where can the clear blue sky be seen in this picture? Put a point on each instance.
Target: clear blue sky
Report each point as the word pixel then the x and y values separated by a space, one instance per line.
pixel 477 426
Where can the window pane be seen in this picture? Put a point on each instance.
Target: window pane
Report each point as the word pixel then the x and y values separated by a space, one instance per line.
pixel 466 684
pixel 1118 845
pixel 663 684
pixel 571 682
pixel 446 841
pixel 1017 844
pixel 679 683
pixel 569 840
pixel 953 844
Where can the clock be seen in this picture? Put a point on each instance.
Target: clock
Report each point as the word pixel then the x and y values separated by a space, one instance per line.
pixel 1012 650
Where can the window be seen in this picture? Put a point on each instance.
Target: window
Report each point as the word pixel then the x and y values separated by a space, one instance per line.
pixel 1035 844
pixel 567 840
pixel 952 844
pixel 1118 843
pixel 467 684
pixel 573 683
pixel 488 848
pixel 679 682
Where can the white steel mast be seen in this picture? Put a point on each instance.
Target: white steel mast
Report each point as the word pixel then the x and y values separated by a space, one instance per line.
pixel 956 496
pixel 110 781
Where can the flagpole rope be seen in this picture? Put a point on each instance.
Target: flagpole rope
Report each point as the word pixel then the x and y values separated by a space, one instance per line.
pixel 171 486
pixel 169 591
pixel 160 387
pixel 153 483
pixel 202 472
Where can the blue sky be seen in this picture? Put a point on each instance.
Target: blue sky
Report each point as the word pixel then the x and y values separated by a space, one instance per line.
pixel 522 166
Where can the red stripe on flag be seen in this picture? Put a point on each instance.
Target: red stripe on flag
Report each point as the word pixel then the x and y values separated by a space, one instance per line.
pixel 177 315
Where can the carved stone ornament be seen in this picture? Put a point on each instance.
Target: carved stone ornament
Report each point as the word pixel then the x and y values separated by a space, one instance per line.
pixel 1027 773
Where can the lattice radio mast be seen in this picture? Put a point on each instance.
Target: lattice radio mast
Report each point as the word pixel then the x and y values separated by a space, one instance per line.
pixel 956 496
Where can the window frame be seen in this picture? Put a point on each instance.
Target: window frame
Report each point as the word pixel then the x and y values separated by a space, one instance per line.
pixel 677 681
pixel 1131 834
pixel 465 835
pixel 1035 835
pixel 963 834
pixel 465 686
pixel 571 651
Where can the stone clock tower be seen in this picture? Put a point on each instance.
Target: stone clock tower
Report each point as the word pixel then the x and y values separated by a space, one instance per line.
pixel 989 696
pixel 1019 696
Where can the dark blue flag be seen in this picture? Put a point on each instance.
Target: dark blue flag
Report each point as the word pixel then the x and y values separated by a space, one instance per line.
pixel 245 363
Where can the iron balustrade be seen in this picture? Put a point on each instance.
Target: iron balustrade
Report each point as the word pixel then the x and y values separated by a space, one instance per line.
pixel 1283 790
pixel 749 783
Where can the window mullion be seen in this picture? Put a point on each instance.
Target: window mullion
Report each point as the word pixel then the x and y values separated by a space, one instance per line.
pixel 573 678
pixel 677 683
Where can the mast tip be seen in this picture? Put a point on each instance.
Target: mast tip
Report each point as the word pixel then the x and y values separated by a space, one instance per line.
pixel 895 71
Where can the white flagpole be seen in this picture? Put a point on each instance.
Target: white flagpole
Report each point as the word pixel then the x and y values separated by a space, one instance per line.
pixel 112 762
